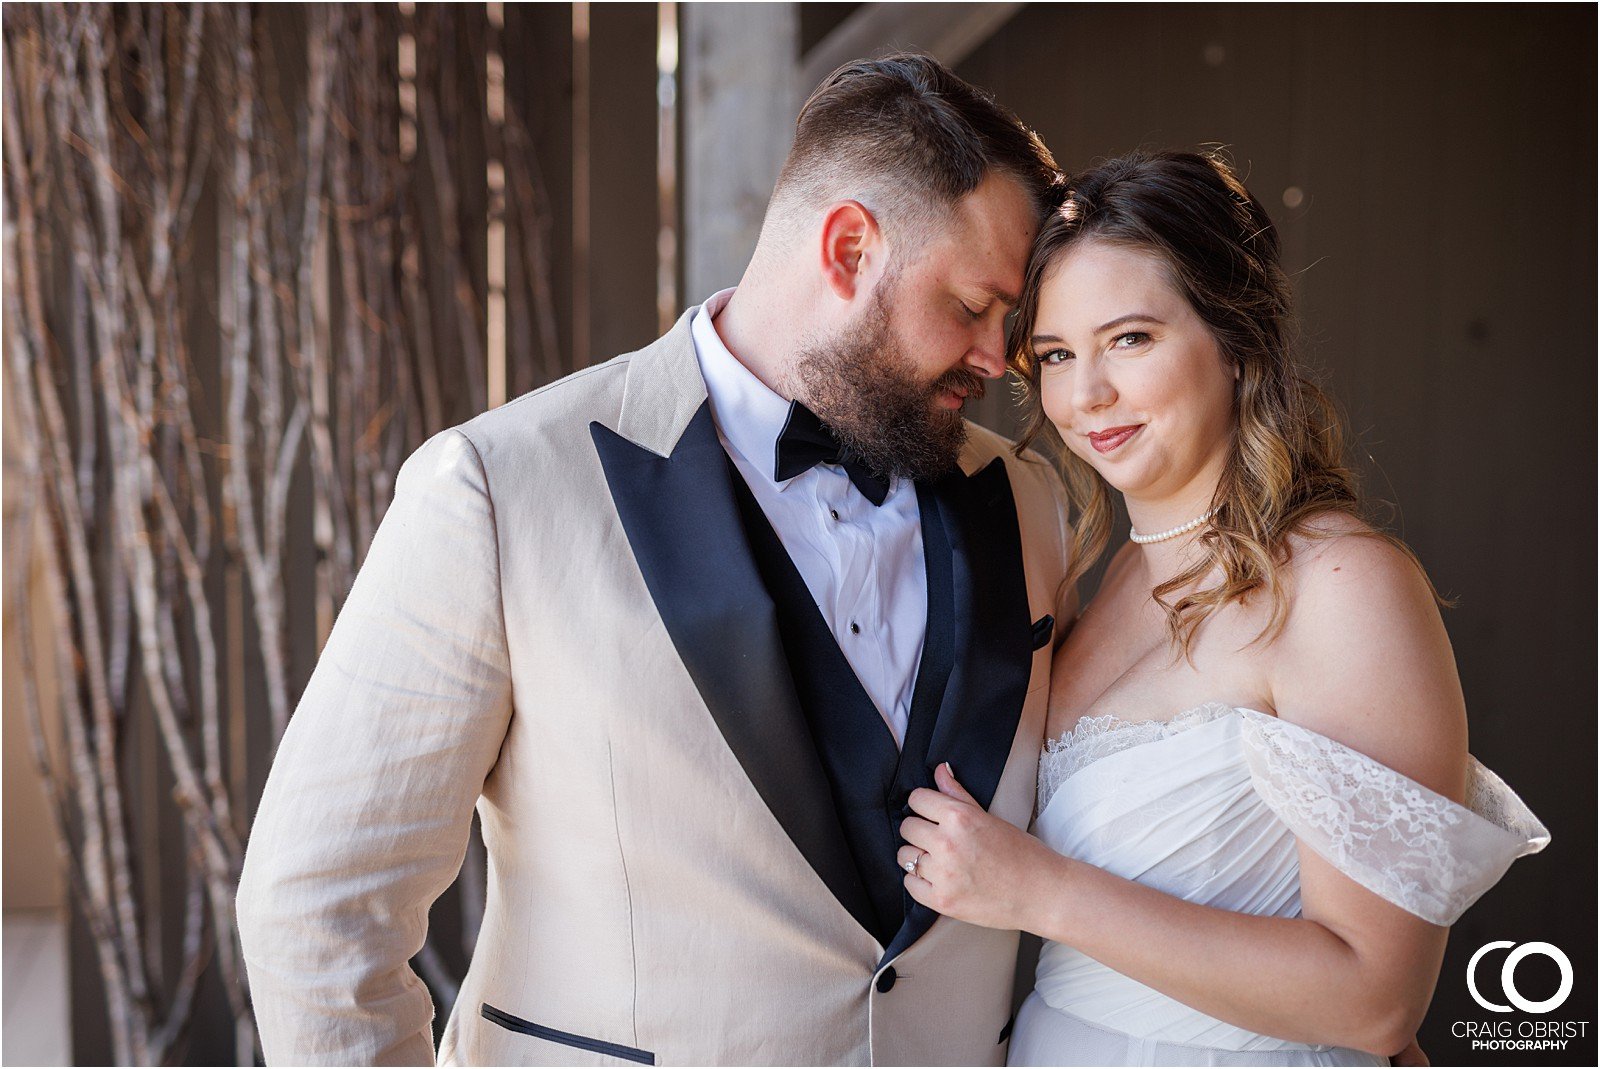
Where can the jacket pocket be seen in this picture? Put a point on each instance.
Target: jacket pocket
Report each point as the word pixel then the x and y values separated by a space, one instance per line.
pixel 597 1046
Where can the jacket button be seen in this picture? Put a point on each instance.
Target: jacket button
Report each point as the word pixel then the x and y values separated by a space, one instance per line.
pixel 886 979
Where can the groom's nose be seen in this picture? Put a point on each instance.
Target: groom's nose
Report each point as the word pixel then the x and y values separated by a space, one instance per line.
pixel 987 357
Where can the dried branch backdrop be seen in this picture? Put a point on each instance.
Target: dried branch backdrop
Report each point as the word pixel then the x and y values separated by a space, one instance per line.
pixel 207 454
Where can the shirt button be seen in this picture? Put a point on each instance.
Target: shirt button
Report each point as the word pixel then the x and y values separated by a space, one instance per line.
pixel 886 980
pixel 855 628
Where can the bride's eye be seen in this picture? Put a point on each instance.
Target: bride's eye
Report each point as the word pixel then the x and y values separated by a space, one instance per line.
pixel 1131 339
pixel 1054 357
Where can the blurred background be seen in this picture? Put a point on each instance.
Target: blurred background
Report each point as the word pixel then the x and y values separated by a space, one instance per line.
pixel 255 254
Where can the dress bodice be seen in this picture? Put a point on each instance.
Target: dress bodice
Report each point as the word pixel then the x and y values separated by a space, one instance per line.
pixel 1210 805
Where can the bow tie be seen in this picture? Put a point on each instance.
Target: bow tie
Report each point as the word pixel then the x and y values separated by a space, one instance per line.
pixel 807 441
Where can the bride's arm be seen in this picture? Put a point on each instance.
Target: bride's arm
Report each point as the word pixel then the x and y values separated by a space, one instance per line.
pixel 1364 660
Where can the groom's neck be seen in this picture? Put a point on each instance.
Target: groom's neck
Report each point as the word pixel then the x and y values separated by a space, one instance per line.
pixel 764 326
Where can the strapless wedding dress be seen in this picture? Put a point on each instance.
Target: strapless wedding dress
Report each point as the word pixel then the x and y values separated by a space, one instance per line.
pixel 1208 807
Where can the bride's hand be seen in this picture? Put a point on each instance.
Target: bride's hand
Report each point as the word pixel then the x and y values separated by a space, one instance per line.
pixel 970 865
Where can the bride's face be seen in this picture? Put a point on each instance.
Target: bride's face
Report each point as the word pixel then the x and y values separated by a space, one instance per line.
pixel 1131 376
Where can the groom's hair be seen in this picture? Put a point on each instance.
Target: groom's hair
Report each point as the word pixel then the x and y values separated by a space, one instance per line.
pixel 908 139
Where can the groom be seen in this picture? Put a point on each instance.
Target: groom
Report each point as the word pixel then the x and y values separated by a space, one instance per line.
pixel 687 627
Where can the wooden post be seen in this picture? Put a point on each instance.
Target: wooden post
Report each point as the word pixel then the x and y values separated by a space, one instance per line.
pixel 739 65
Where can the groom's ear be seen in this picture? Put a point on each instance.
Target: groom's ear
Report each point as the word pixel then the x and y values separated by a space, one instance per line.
pixel 852 249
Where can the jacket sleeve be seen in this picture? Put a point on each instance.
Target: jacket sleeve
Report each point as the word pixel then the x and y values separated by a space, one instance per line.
pixel 368 805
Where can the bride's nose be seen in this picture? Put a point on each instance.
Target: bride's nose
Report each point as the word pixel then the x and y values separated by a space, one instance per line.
pixel 1091 387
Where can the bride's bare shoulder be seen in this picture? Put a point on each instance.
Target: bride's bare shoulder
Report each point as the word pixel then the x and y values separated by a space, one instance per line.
pixel 1335 555
pixel 1364 656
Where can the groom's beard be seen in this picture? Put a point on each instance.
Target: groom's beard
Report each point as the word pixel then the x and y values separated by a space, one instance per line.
pixel 862 385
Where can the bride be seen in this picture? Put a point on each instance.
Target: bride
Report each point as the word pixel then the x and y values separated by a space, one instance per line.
pixel 1257 816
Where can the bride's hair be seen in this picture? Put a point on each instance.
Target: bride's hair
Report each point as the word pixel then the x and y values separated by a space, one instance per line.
pixel 1286 465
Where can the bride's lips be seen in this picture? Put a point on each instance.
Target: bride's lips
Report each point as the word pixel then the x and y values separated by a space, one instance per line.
pixel 1112 437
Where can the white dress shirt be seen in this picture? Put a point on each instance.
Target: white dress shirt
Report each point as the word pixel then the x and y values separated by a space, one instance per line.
pixel 863 563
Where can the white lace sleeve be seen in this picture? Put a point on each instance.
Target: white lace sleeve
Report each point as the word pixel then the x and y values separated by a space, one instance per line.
pixel 1395 837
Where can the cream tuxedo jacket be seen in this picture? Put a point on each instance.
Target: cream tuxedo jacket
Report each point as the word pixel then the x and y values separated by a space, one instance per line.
pixel 559 623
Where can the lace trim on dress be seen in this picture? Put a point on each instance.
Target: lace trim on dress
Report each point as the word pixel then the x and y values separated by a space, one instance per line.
pixel 1412 846
pixel 1096 737
pixel 1404 842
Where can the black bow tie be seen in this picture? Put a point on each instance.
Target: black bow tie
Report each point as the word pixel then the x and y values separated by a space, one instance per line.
pixel 807 441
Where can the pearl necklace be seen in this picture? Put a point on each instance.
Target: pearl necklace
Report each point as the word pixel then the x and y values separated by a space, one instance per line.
pixel 1182 528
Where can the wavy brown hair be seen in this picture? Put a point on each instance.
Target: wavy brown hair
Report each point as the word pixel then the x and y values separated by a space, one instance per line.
pixel 1286 462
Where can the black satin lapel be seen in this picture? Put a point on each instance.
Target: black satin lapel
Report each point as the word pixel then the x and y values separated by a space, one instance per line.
pixel 938 644
pixel 993 646
pixel 994 631
pixel 683 525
